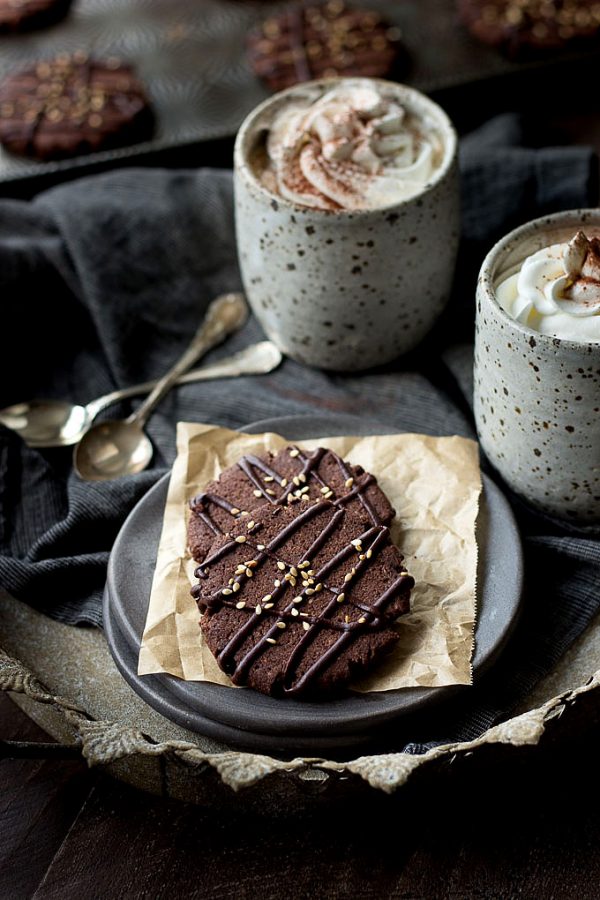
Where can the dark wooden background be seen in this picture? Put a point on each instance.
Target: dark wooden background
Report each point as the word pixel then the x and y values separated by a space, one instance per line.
pixel 525 831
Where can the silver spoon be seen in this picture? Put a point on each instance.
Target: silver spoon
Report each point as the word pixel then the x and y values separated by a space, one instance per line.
pixel 120 447
pixel 58 423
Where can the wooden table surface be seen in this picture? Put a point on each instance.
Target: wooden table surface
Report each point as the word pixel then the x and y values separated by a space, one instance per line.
pixel 70 832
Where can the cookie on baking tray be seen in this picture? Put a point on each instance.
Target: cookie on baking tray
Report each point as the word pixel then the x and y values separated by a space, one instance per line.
pixel 300 599
pixel 522 27
pixel 72 104
pixel 26 15
pixel 292 476
pixel 323 40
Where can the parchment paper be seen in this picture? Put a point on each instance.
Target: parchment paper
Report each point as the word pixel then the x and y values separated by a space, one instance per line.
pixel 434 485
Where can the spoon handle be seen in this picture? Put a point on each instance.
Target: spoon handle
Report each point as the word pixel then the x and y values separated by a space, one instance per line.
pixel 225 314
pixel 257 359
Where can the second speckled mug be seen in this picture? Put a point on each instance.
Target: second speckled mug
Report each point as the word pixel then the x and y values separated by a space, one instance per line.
pixel 537 398
pixel 347 290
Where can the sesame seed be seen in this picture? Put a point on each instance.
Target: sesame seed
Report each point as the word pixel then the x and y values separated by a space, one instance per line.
pixel 251 562
pixel 341 598
pixel 234 511
pixel 328 495
pixel 280 565
pixel 310 591
pixel 306 584
pixel 293 571
pixel 260 546
pixel 249 573
pixel 294 611
pixel 319 587
pixel 296 480
pixel 257 493
pixel 270 492
pixel 369 554
pixel 349 482
pixel 240 605
pixel 306 626
pixel 356 542
pixel 325 490
pixel 240 570
pixel 281 624
pixel 250 525
pixel 283 482
pixel 294 452
pixel 362 556
pixel 258 609
pixel 268 478
pixel 277 582
pixel 245 513
pixel 304 564
pixel 235 587
pixel 241 539
pixel 297 599
pixel 302 477
pixel 268 606
pixel 362 619
pixel 266 598
pixel 305 497
pixel 346 619
pixel 271 641
pixel 348 576
pixel 227 591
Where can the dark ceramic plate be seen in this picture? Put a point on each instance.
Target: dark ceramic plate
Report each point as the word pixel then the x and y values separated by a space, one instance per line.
pixel 247 718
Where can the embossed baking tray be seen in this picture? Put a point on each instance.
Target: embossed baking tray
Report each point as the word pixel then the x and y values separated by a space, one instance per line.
pixel 190 54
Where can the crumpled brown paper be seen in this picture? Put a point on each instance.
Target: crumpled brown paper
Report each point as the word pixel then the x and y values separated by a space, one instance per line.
pixel 434 485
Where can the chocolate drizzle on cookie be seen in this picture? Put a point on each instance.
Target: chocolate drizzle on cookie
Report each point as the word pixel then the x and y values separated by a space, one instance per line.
pixel 72 104
pixel 272 486
pixel 288 604
pixel 323 40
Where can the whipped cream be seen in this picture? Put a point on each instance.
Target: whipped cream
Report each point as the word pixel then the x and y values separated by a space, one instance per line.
pixel 352 147
pixel 557 290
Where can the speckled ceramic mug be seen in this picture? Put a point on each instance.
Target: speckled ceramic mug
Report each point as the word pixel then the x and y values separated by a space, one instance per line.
pixel 346 290
pixel 537 398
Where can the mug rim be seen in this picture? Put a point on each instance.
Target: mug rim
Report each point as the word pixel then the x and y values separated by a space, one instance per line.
pixel 484 280
pixel 418 100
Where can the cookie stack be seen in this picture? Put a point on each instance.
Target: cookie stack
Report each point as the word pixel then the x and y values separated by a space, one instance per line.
pixel 299 582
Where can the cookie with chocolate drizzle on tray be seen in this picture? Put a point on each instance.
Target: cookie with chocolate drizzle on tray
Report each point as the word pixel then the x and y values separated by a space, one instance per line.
pixel 290 477
pixel 300 599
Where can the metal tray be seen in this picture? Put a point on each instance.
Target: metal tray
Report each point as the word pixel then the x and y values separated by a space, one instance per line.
pixel 190 54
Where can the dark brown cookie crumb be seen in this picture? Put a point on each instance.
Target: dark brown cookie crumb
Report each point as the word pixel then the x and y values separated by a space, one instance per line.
pixel 527 27
pixel 72 105
pixel 302 599
pixel 290 477
pixel 321 41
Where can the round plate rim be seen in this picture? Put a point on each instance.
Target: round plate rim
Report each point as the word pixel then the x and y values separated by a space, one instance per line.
pixel 370 712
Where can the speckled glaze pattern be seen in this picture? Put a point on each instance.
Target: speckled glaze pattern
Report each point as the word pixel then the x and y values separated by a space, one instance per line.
pixel 537 398
pixel 347 290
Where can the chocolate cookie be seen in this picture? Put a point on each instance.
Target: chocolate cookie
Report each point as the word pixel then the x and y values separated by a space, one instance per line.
pixel 25 15
pixel 329 39
pixel 72 105
pixel 522 27
pixel 299 601
pixel 291 477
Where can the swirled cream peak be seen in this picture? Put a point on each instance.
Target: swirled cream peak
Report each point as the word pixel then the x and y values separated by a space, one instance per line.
pixel 557 290
pixel 352 147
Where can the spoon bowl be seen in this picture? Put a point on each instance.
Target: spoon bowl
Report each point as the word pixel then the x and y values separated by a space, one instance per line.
pixel 58 423
pixel 113 449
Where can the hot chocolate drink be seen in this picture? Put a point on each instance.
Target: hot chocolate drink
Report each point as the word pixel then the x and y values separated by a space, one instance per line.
pixel 350 146
pixel 556 291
